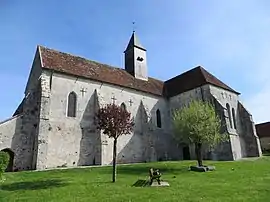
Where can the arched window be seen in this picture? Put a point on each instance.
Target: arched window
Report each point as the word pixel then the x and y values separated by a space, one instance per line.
pixel 158 118
pixel 72 105
pixel 229 114
pixel 123 106
pixel 234 119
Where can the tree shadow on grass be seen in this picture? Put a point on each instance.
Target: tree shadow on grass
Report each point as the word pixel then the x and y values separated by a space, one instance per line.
pixel 34 185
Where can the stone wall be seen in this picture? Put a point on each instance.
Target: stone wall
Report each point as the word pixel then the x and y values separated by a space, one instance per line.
pixel 251 140
pixel 180 101
pixel 30 121
pixel 22 128
pixel 44 127
pixel 265 143
pixel 234 148
pixel 10 131
pixel 75 141
pixel 223 151
pixel 233 122
pixel 29 130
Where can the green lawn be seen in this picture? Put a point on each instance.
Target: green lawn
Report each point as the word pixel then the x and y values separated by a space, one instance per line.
pixel 249 181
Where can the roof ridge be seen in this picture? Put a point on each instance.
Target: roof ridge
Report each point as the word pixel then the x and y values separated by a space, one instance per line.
pixel 179 75
pixel 204 72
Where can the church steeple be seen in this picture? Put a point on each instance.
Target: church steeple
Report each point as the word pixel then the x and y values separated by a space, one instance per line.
pixel 135 58
pixel 134 42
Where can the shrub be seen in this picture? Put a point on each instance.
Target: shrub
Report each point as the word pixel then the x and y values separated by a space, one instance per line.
pixel 4 159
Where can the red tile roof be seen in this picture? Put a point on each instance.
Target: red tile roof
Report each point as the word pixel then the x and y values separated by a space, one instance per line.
pixel 263 129
pixel 78 66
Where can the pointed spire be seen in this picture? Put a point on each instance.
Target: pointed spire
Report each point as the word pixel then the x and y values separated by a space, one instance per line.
pixel 134 42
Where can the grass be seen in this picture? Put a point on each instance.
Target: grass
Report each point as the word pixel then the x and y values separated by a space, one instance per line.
pixel 248 181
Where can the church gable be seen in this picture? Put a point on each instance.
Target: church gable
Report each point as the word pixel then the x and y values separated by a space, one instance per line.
pixel 34 73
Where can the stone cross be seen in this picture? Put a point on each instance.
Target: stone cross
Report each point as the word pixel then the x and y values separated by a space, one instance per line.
pixel 113 99
pixel 222 95
pixel 130 102
pixel 83 91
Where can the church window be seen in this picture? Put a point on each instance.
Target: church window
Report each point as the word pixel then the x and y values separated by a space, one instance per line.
pixel 229 114
pixel 158 116
pixel 140 59
pixel 72 105
pixel 234 119
pixel 123 106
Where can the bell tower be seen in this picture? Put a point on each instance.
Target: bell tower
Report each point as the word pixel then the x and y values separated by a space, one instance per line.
pixel 135 58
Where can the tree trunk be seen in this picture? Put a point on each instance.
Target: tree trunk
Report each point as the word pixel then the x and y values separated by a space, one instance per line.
pixel 198 150
pixel 114 159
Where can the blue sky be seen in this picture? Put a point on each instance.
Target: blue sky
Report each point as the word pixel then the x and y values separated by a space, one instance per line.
pixel 231 39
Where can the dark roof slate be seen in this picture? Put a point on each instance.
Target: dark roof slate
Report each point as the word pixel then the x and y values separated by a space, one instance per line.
pixel 263 129
pixel 191 79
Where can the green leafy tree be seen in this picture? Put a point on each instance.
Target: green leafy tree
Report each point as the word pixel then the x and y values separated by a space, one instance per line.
pixel 4 160
pixel 114 121
pixel 198 124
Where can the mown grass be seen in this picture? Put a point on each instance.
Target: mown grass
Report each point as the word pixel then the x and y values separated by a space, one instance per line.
pixel 247 180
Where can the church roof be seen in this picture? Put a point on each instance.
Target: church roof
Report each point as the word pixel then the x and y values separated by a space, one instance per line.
pixel 78 66
pixel 191 79
pixel 134 42
pixel 263 129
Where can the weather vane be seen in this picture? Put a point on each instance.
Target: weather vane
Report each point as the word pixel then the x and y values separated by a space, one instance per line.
pixel 133 27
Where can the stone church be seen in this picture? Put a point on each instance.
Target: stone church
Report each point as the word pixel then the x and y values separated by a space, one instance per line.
pixel 54 124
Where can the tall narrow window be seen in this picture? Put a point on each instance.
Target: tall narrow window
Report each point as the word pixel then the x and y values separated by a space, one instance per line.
pixel 123 106
pixel 234 119
pixel 158 118
pixel 72 105
pixel 229 114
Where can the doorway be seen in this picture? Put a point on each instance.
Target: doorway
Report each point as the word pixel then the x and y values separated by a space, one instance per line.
pixel 11 160
pixel 186 153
